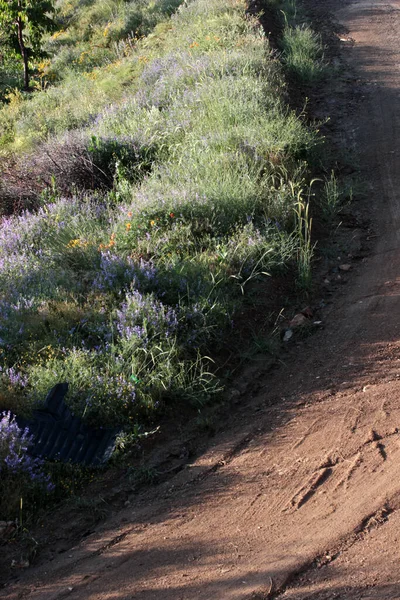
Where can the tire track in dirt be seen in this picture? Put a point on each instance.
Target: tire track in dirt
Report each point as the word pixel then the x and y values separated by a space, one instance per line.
pixel 314 477
pixel 371 522
pixel 366 564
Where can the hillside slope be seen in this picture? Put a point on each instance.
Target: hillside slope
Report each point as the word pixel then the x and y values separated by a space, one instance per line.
pixel 145 196
pixel 303 487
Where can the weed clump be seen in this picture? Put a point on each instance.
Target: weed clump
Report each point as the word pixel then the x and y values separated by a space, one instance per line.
pixel 302 53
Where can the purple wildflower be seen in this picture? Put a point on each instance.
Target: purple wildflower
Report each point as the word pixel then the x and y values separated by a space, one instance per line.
pixel 14 457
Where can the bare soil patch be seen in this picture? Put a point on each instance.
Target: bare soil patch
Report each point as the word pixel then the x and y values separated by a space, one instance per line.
pixel 298 495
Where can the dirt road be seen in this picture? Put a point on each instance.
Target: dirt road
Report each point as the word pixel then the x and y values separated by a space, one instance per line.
pixel 301 495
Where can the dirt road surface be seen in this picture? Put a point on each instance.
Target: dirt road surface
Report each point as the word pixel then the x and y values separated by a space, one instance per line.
pixel 300 497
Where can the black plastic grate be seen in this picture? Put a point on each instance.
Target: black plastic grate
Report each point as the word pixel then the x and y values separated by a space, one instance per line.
pixel 59 435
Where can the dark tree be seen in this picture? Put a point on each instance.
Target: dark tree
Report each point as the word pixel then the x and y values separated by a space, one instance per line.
pixel 24 23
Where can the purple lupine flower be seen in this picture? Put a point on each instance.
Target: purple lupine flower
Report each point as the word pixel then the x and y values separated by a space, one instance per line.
pixel 10 376
pixel 144 317
pixel 14 457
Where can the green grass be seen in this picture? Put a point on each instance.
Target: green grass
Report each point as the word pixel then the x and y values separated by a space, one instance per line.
pixel 156 175
pixel 302 48
pixel 164 179
pixel 302 53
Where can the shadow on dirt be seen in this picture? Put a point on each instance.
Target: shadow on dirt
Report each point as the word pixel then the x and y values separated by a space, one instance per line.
pixel 358 348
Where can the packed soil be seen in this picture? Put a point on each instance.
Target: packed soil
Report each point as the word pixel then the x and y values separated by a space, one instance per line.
pixel 299 495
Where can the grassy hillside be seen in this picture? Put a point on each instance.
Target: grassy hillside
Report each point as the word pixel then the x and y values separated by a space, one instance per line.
pixel 155 175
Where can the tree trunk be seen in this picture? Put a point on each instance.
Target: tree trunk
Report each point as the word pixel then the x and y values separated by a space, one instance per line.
pixel 24 53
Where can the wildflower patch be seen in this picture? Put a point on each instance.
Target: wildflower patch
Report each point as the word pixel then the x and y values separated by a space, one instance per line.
pixel 162 188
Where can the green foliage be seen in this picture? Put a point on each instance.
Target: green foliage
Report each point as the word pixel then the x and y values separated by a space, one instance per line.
pixel 305 249
pixel 331 199
pixel 302 53
pixel 302 49
pixel 165 173
pixel 25 21
pixel 34 13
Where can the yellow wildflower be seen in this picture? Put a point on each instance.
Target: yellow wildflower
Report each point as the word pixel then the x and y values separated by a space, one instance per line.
pixel 77 243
